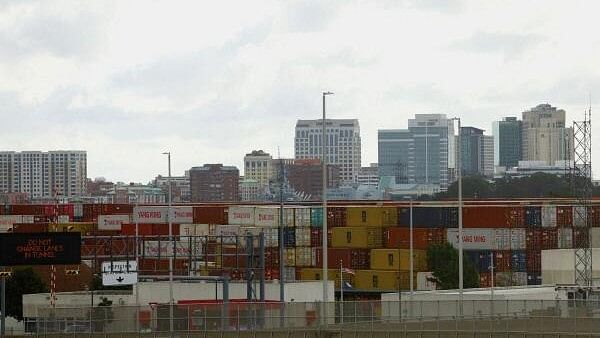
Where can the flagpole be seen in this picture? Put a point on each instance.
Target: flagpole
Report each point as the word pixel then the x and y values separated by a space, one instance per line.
pixel 341 292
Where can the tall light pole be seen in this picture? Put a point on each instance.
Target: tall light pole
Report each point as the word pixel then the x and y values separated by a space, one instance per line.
pixel 172 243
pixel 460 213
pixel 324 194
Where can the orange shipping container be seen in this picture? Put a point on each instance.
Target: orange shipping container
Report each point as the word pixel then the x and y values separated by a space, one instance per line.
pixel 399 238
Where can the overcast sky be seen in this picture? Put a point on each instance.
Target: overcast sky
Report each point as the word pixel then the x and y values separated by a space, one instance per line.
pixel 212 80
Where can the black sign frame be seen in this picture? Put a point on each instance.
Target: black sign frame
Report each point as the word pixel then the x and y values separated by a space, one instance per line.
pixel 40 248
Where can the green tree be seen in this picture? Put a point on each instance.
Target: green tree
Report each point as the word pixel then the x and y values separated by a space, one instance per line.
pixel 23 281
pixel 443 262
pixel 472 186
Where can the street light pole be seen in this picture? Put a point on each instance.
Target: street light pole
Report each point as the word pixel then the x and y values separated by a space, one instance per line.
pixel 460 214
pixel 172 243
pixel 324 195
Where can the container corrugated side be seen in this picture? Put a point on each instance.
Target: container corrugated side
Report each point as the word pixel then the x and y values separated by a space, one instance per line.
pixel 565 238
pixel 371 216
pixel 502 239
pixel 312 274
pixel 302 217
pixel 548 216
pixel 357 237
pixel 518 239
pixel 382 280
pixel 303 236
pixel 473 239
pixel 533 216
pixel 241 215
pixel 316 217
pixel 305 257
pixel 398 259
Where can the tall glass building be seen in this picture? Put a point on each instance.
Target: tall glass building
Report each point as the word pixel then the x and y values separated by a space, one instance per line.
pixel 418 154
pixel 508 142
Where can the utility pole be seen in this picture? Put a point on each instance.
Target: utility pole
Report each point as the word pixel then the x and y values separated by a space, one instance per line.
pixel 172 243
pixel 324 193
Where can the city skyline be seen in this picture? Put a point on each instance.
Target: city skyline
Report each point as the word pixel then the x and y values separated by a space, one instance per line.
pixel 106 78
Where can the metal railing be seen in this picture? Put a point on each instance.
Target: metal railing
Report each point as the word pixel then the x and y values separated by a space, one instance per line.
pixel 550 316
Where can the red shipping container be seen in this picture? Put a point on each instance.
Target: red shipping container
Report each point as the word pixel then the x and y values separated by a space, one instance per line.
pixel 153 266
pixel 117 209
pixel 594 216
pixel 210 215
pixel 27 209
pixel 351 258
pixel 580 237
pixel 271 257
pixel 336 216
pixel 143 229
pixel 493 217
pixel 271 273
pixel 485 279
pixel 316 237
pixel 534 260
pixel 30 227
pixel 564 216
pixel 163 229
pixel 422 237
pixel 232 257
pixel 541 239
pixel 502 261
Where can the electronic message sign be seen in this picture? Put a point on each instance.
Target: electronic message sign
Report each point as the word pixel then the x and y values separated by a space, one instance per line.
pixel 43 248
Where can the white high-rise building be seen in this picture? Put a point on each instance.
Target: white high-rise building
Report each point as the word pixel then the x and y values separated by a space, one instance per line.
pixel 257 166
pixel 44 174
pixel 545 136
pixel 343 144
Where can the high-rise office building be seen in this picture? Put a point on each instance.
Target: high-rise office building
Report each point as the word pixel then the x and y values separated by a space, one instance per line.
pixel 257 166
pixel 343 144
pixel 508 144
pixel 214 183
pixel 477 152
pixel 419 154
pixel 545 137
pixel 44 174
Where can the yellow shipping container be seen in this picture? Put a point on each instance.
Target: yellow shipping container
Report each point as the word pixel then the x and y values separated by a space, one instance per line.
pixel 290 257
pixel 310 274
pixel 371 216
pixel 357 237
pixel 382 280
pixel 84 228
pixel 398 259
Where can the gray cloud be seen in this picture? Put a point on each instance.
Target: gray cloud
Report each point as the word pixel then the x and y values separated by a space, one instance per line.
pixel 511 45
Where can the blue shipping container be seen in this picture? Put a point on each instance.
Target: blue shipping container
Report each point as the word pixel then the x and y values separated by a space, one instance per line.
pixel 519 261
pixel 533 217
pixel 534 278
pixel 480 259
pixel 422 217
pixel 289 237
pixel 316 217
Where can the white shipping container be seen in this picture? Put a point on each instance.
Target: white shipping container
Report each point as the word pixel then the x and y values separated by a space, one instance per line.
pixel 77 210
pixel 290 257
pixel 241 215
pixel 595 237
pixel 187 230
pixel 518 239
pixel 159 214
pixel 112 222
pixel 565 238
pixel 304 256
pixel 548 216
pixel 205 229
pixel 228 234
pixel 7 221
pixel 302 217
pixel 288 217
pixel 289 274
pixel 164 249
pixel 63 219
pixel 579 216
pixel 424 281
pixel 28 219
pixel 473 239
pixel 519 278
pixel 502 239
pixel 302 236
pixel 266 216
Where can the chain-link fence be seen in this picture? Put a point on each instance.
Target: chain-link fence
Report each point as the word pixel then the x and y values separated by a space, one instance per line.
pixel 532 316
